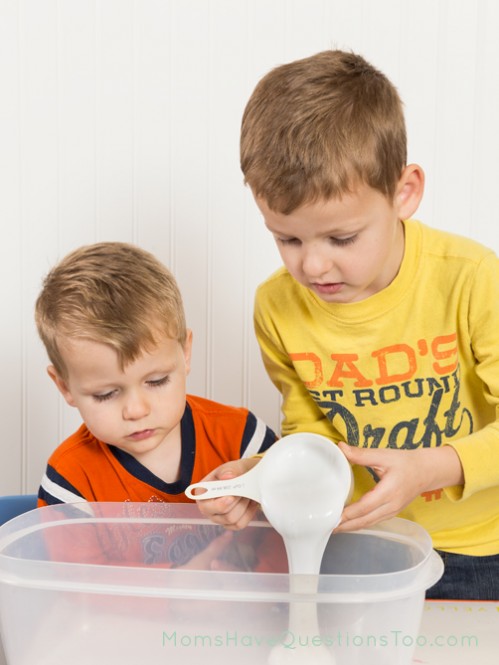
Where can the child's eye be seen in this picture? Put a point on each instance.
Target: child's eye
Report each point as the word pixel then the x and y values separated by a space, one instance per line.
pixel 156 383
pixel 104 396
pixel 343 241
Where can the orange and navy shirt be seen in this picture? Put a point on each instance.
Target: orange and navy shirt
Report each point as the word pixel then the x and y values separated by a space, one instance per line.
pixel 83 468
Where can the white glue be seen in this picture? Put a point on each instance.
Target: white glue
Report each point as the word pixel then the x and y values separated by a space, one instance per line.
pixel 302 484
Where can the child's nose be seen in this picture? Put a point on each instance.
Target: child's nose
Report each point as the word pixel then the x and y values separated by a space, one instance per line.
pixel 316 262
pixel 136 406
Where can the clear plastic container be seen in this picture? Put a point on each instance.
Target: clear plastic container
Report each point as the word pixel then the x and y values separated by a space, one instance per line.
pixel 125 583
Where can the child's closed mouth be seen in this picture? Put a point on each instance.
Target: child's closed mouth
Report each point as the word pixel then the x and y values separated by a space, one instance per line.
pixel 141 435
pixel 326 289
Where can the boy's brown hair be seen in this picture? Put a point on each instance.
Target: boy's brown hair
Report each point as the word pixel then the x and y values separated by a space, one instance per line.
pixel 316 127
pixel 113 293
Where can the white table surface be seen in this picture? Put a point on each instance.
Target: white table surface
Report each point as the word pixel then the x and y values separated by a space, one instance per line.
pixel 452 633
pixel 459 633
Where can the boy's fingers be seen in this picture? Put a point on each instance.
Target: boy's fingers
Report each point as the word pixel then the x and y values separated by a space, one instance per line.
pixel 352 453
pixel 370 509
pixel 226 474
pixel 364 456
pixel 206 558
pixel 217 507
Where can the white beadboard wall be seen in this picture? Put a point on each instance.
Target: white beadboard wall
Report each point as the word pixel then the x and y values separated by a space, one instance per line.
pixel 119 120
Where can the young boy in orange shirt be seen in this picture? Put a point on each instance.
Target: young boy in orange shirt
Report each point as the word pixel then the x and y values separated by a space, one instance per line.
pixel 112 320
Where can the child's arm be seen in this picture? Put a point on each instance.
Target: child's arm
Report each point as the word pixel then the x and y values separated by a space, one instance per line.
pixel 232 512
pixel 404 475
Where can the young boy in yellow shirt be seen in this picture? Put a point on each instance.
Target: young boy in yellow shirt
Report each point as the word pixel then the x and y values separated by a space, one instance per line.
pixel 379 332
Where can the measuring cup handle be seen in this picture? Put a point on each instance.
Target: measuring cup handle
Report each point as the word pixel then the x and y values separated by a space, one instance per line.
pixel 239 486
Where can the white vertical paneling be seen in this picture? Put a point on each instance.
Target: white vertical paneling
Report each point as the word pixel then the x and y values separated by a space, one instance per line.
pixel 120 120
pixel 153 103
pixel 384 37
pixel 114 91
pixel 191 178
pixel 345 20
pixel 483 170
pixel 266 49
pixel 266 38
pixel 39 217
pixel 417 64
pixel 76 116
pixel 456 88
pixel 227 322
pixel 306 28
pixel 11 347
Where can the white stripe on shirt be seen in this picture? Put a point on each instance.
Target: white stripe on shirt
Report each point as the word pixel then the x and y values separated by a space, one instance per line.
pixel 257 439
pixel 60 493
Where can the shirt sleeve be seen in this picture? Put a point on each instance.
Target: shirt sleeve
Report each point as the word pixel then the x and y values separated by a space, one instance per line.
pixel 55 488
pixel 257 437
pixel 479 451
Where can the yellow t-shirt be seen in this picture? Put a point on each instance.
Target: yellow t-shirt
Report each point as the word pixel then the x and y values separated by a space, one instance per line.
pixel 416 364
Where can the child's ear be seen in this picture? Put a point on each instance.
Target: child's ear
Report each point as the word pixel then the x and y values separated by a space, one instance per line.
pixel 188 351
pixel 409 191
pixel 61 384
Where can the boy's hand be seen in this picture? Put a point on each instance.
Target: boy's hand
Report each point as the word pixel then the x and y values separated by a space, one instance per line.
pixel 232 512
pixel 403 475
pixel 211 558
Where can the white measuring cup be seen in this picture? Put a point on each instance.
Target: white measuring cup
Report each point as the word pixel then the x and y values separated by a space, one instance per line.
pixel 302 484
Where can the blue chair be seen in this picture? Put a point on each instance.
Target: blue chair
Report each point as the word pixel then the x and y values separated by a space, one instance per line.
pixel 10 507
pixel 14 505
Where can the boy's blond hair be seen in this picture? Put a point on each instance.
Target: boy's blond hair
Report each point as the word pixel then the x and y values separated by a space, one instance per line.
pixel 315 128
pixel 113 293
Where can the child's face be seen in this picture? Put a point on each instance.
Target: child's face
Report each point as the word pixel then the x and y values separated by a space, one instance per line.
pixel 345 250
pixel 137 409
